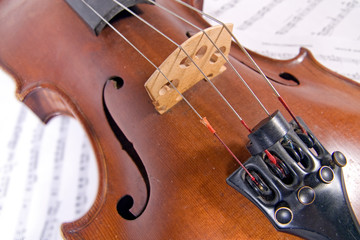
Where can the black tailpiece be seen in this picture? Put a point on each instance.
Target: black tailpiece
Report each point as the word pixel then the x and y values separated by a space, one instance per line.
pixel 304 193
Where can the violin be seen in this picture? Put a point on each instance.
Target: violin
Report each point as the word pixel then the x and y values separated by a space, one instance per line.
pixel 144 85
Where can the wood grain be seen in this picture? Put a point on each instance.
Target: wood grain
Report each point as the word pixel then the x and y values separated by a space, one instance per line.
pixel 50 51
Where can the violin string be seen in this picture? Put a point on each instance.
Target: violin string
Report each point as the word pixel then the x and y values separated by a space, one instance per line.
pixel 282 101
pixel 144 56
pixel 269 155
pixel 217 48
pixel 202 120
pixel 188 56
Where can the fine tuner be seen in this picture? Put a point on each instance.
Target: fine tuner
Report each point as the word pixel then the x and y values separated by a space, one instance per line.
pixel 298 191
pixel 140 74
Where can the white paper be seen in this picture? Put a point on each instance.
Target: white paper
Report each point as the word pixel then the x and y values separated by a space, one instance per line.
pixel 278 28
pixel 48 173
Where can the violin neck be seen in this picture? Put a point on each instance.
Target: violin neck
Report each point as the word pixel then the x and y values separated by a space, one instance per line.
pixel 106 9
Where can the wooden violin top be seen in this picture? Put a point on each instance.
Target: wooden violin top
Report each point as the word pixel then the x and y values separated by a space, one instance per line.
pixel 167 168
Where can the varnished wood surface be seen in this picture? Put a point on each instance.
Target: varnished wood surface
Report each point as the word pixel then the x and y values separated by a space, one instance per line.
pixel 55 55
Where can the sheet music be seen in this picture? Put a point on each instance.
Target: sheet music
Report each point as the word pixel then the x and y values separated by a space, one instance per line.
pixel 48 173
pixel 278 28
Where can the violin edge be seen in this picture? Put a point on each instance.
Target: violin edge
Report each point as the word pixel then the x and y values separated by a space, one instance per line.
pixel 284 64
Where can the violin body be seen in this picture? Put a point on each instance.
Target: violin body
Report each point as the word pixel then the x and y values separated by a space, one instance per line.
pixel 164 176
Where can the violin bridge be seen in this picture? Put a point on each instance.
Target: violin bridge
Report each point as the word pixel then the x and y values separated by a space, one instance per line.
pixel 183 73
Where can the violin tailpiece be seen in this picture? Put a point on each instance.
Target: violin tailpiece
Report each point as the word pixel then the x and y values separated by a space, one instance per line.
pixel 183 72
pixel 305 193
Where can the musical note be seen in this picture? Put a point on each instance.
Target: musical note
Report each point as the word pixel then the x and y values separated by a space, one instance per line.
pixel 298 17
pixel 7 167
pixel 279 28
pixel 62 186
pixel 30 182
pixel 50 227
pixel 83 179
pixel 257 16
pixel 335 21
pixel 225 6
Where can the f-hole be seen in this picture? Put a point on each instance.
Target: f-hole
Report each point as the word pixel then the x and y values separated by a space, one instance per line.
pixel 123 207
pixel 126 202
pixel 289 77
